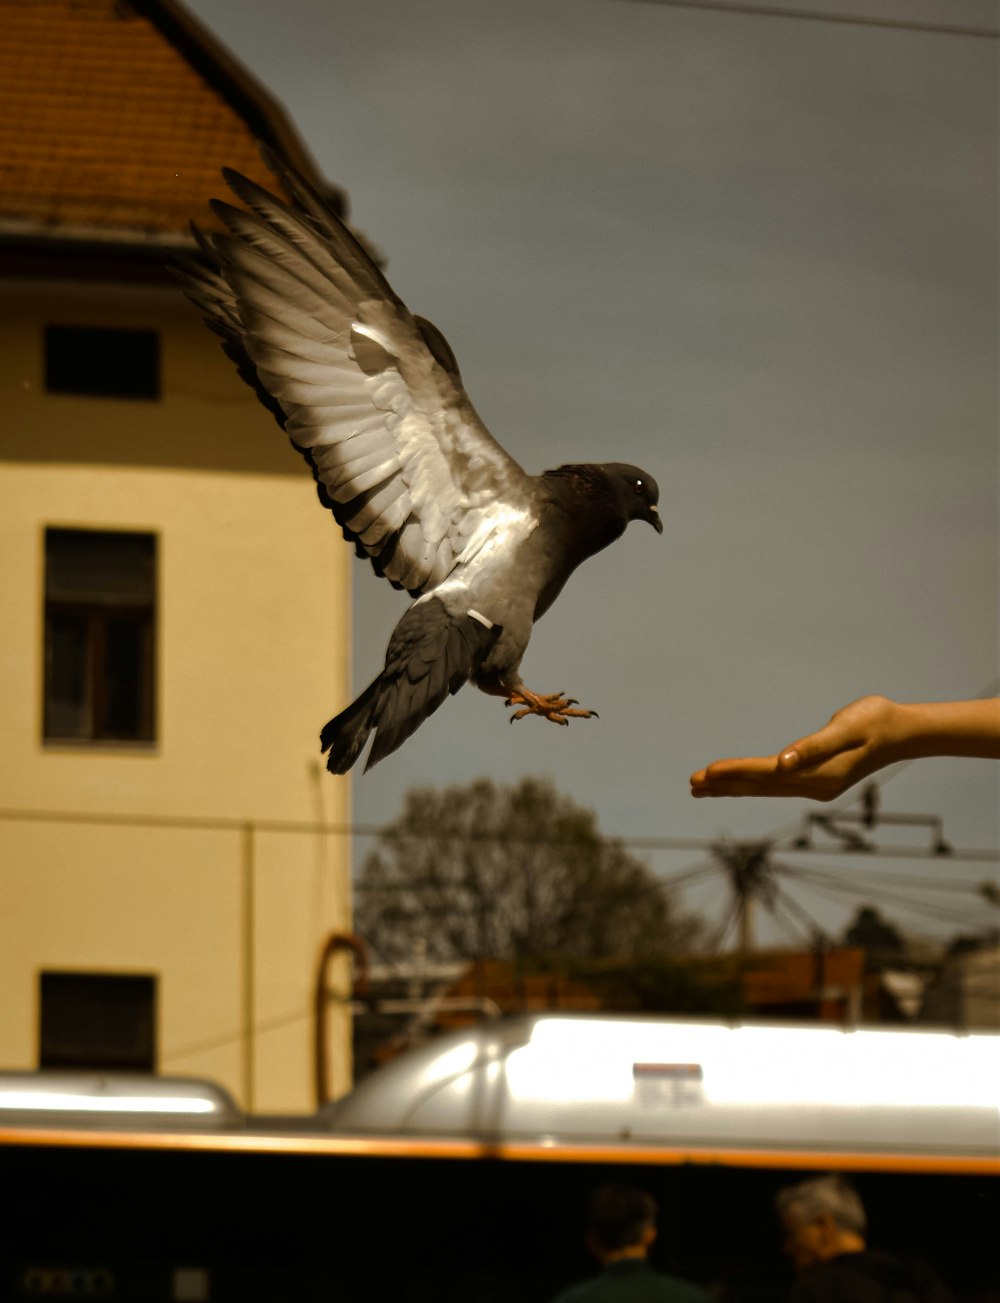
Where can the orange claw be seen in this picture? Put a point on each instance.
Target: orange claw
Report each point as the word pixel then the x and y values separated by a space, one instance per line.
pixel 554 707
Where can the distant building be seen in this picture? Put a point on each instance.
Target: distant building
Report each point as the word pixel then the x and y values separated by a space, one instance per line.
pixel 824 984
pixel 966 993
pixel 406 1004
pixel 176 603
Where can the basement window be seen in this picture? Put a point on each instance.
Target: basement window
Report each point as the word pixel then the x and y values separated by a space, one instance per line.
pixel 100 627
pixel 101 363
pixel 103 1021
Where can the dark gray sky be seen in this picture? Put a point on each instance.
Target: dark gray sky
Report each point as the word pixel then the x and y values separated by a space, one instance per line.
pixel 758 257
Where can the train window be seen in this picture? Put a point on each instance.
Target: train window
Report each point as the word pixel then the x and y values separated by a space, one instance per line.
pixel 97 1020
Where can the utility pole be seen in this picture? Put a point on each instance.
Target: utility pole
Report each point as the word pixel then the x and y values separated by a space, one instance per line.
pixel 747 865
pixel 746 924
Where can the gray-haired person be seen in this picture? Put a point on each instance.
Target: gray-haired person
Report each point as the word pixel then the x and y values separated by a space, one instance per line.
pixel 826 1234
pixel 620 1234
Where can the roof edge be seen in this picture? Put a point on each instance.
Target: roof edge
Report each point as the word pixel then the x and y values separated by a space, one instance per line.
pixel 222 70
pixel 28 257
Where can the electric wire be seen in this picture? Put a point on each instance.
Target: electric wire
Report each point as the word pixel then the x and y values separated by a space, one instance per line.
pixel 908 880
pixel 197 823
pixel 777 908
pixel 926 909
pixel 828 888
pixel 280 1020
pixel 853 888
pixel 756 10
pixel 791 904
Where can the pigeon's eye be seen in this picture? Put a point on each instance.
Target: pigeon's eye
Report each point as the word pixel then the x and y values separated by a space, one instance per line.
pixel 638 486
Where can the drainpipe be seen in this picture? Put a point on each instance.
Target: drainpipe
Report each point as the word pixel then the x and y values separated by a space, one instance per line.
pixel 334 943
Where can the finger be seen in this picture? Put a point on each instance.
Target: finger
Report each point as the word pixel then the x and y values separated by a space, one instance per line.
pixel 764 776
pixel 749 767
pixel 741 787
pixel 809 788
pixel 738 777
pixel 807 751
pixel 732 788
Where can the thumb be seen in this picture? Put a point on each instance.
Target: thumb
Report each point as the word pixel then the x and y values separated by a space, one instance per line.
pixel 813 749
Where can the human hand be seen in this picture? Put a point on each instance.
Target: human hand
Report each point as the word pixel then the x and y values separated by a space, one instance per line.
pixel 858 740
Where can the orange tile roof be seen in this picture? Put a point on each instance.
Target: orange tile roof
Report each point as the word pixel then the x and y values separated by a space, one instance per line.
pixel 106 126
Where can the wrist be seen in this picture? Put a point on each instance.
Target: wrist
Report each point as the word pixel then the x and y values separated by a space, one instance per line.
pixel 908 733
pixel 948 728
pixel 885 730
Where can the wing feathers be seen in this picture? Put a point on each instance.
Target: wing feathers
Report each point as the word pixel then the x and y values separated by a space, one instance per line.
pixel 296 363
pixel 390 521
pixel 269 223
pixel 368 393
pixel 275 309
pixel 362 474
pixel 327 224
pixel 370 514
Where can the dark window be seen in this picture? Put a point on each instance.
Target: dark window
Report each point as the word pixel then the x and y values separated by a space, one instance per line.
pixel 97 1020
pixel 100 622
pixel 102 363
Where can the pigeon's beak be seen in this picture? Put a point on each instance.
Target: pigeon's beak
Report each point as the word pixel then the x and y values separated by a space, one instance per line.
pixel 655 519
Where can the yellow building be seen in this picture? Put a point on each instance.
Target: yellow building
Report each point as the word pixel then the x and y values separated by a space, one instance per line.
pixel 175 600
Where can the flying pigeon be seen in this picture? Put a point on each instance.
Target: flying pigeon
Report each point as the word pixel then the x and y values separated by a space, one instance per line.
pixel 371 395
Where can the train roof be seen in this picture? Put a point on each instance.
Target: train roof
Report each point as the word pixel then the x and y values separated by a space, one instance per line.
pixel 114 1099
pixel 567 1080
pixel 578 1088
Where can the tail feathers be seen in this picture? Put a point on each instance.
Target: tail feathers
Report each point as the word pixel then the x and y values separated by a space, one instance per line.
pixel 345 736
pixel 431 655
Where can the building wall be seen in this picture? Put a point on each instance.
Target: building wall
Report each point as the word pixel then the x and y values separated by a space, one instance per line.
pixel 253 643
pixel 965 994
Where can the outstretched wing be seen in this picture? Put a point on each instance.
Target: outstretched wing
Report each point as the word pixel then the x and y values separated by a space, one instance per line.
pixel 368 392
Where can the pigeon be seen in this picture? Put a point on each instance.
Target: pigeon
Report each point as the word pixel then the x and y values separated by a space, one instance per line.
pixel 371 396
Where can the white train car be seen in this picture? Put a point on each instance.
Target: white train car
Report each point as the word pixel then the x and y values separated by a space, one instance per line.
pixel 462 1169
pixel 713 1091
pixel 117 1100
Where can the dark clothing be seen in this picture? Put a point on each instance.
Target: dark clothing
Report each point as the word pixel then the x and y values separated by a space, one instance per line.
pixel 633 1280
pixel 869 1278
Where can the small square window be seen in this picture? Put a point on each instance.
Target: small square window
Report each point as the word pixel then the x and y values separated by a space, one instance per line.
pixel 100 624
pixel 102 363
pixel 98 1020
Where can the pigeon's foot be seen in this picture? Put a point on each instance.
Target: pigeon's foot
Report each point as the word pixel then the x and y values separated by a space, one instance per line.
pixel 554 707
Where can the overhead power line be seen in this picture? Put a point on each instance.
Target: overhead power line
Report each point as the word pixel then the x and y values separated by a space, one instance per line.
pixel 786 912
pixel 813 927
pixel 830 886
pixel 829 16
pixel 305 827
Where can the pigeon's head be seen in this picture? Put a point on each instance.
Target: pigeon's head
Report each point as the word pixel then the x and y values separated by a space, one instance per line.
pixel 637 493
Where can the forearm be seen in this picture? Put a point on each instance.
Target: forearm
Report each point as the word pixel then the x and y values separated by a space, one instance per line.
pixel 948 728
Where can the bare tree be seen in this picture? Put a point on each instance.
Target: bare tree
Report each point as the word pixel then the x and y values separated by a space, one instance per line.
pixel 492 872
